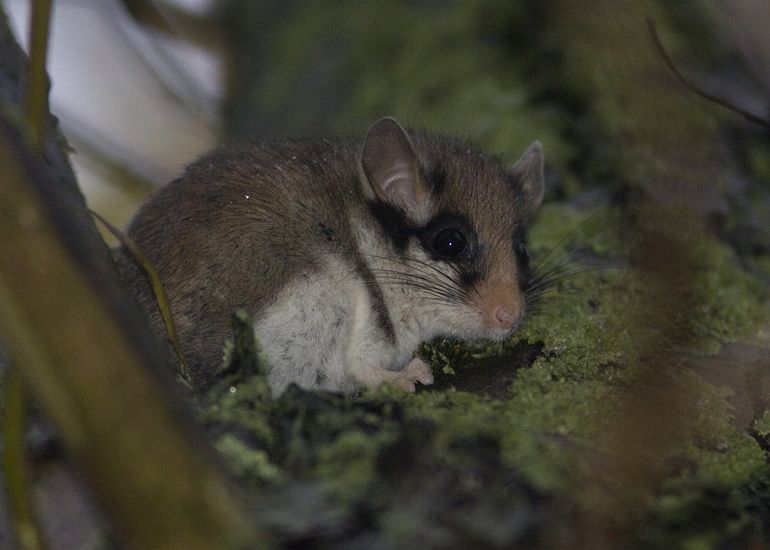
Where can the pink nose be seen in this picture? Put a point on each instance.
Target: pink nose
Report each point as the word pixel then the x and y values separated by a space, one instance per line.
pixel 504 318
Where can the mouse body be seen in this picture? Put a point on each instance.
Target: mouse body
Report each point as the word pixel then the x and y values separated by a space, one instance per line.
pixel 347 254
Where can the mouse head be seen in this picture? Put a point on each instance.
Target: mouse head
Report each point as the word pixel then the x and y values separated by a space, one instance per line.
pixel 455 219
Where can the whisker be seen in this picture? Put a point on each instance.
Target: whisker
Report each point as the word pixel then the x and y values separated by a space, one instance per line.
pixel 551 263
pixel 559 244
pixel 447 293
pixel 428 274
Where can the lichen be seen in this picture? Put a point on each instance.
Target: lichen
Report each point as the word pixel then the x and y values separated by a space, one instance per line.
pixel 762 425
pixel 734 304
pixel 348 463
pixel 247 463
pixel 479 462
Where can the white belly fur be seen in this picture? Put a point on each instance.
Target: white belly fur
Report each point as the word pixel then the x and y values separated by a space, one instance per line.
pixel 321 332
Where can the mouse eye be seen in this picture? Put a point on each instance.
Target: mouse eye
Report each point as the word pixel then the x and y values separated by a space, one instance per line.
pixel 450 243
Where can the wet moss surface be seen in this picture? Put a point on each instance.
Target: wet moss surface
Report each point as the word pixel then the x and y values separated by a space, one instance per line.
pixel 497 453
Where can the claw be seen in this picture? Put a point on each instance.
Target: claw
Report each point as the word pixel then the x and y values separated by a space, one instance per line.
pixel 416 371
pixel 419 371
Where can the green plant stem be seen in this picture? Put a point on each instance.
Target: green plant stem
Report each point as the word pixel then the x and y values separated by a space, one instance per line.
pixel 36 109
pixel 36 104
pixel 157 288
pixel 13 463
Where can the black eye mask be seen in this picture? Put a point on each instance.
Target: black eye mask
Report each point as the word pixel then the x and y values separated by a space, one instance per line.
pixel 449 237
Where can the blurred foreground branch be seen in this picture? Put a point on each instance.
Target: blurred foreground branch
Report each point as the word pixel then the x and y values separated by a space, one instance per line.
pixel 669 151
pixel 84 354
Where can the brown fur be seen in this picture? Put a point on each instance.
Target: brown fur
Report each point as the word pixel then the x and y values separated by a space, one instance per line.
pixel 243 222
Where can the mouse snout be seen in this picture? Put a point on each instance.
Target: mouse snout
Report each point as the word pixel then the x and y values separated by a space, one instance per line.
pixel 506 314
pixel 504 318
pixel 502 307
pixel 499 299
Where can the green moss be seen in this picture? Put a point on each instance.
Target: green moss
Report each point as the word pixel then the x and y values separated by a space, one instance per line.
pixel 563 227
pixel 388 453
pixel 762 425
pixel 455 462
pixel 239 405
pixel 348 463
pixel 731 461
pixel 249 464
pixel 693 517
pixel 734 304
pixel 577 322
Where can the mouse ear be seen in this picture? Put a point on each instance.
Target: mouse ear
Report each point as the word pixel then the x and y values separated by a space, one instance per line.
pixel 391 169
pixel 529 178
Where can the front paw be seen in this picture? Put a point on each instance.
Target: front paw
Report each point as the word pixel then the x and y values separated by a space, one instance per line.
pixel 416 371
